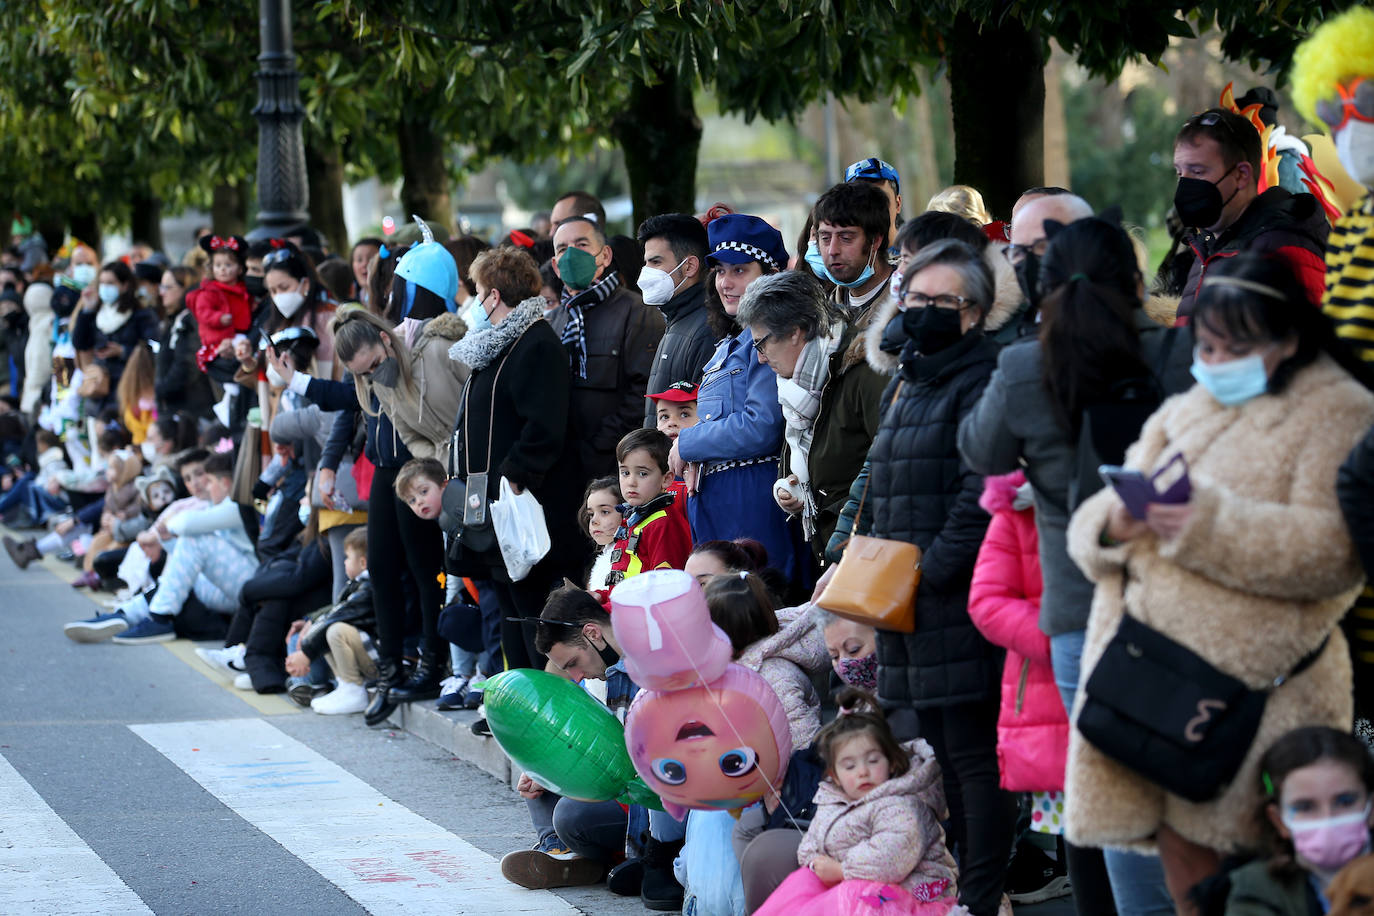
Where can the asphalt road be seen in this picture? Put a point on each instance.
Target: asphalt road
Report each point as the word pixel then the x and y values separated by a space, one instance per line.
pixel 134 779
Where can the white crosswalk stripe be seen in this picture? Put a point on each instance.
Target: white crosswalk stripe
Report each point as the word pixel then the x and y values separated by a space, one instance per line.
pixel 376 851
pixel 44 866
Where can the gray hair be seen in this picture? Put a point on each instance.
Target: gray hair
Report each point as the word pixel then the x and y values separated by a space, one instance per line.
pixel 974 274
pixel 785 301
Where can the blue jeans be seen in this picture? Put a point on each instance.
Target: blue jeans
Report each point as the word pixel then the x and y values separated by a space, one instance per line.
pixel 1137 880
pixel 593 830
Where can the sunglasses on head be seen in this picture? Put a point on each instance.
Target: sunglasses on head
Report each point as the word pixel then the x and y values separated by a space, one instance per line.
pixel 1355 101
pixel 276 257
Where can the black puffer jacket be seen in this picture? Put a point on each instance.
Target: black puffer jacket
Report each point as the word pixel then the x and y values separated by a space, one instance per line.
pixel 354 607
pixel 686 347
pixel 923 493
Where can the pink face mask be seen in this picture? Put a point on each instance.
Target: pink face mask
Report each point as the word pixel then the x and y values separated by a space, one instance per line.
pixel 1330 842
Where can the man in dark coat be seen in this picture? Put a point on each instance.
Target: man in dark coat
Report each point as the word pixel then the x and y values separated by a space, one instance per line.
pixel 674 280
pixel 610 337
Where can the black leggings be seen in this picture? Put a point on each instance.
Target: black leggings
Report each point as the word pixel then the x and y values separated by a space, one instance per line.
pixel 396 539
pixel 982 817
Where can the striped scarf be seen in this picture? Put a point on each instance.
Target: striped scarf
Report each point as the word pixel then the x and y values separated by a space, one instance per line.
pixel 575 331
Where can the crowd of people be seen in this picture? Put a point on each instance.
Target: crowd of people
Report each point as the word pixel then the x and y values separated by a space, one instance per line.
pixel 1142 501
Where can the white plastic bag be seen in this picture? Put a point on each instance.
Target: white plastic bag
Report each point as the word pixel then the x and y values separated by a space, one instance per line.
pixel 518 521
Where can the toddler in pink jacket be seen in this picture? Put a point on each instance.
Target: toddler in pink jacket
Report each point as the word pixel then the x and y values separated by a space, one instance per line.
pixel 875 844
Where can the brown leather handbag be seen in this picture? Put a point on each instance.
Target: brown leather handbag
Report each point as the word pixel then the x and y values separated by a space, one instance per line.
pixel 875 582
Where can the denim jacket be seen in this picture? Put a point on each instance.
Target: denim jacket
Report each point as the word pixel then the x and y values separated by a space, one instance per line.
pixel 737 405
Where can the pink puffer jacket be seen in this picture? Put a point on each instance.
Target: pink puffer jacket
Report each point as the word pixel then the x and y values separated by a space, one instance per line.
pixel 1004 602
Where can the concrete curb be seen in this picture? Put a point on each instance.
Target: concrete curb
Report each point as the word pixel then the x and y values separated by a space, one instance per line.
pixel 451 730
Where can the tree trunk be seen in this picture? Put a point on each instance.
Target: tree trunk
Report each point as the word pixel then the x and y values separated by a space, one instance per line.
pixel 997 90
pixel 324 169
pixel 229 208
pixel 1056 128
pixel 145 219
pixel 660 136
pixel 424 171
pixel 86 228
pixel 54 231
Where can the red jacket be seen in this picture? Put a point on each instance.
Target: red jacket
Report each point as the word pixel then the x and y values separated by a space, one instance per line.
pixel 657 536
pixel 211 301
pixel 1004 602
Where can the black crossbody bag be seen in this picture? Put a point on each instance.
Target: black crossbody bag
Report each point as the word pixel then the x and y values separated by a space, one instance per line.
pixel 1165 712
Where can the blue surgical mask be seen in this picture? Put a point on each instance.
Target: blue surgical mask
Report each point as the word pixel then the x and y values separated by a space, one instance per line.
pixel 303 513
pixel 813 257
pixel 477 317
pixel 108 292
pixel 1235 382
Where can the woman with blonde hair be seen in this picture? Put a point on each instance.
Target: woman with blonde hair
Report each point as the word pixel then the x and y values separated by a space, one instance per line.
pixel 962 200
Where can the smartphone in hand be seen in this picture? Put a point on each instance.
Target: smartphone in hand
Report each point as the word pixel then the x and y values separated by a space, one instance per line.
pixel 1169 485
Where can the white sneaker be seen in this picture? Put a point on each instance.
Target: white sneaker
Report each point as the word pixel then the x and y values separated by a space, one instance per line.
pixel 343 700
pixel 228 661
pixel 243 682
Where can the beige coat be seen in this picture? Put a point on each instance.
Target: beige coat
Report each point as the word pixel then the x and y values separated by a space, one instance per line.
pixel 1262 572
pixel 423 416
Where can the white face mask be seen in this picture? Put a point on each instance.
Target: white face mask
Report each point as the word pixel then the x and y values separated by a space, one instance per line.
pixel 83 273
pixel 288 303
pixel 1355 149
pixel 657 286
pixel 148 450
pixel 108 293
pixel 274 377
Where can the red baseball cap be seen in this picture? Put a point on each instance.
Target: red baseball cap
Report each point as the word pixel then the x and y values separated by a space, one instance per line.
pixel 677 392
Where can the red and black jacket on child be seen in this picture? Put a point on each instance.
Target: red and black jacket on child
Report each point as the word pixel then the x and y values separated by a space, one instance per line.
pixel 655 535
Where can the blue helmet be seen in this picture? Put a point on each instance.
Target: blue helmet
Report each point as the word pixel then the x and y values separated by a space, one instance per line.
pixel 428 266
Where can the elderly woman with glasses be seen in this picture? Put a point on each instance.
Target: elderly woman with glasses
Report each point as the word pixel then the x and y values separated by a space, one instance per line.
pixel 829 395
pixel 922 492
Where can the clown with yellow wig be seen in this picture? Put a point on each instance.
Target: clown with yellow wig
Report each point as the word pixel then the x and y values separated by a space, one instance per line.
pixel 1333 84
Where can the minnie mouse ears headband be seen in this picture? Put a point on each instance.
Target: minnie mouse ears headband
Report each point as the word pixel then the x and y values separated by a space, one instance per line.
pixel 233 244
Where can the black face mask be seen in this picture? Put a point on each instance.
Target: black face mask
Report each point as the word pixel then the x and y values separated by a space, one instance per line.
pixel 1198 202
pixel 608 655
pixel 931 329
pixel 1028 278
pixel 257 286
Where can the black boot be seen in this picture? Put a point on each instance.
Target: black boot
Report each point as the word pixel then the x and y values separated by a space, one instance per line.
pixel 382 705
pixel 424 682
pixel 660 890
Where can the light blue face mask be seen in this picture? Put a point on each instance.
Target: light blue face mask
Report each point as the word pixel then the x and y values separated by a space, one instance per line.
pixel 1235 382
pixel 477 317
pixel 813 258
pixel 303 513
pixel 108 292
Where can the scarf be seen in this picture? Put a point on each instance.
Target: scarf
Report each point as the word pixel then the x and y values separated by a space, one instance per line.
pixel 800 399
pixel 110 319
pixel 575 331
pixel 479 349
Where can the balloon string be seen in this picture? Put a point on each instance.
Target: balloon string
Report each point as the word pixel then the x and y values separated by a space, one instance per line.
pixel 777 793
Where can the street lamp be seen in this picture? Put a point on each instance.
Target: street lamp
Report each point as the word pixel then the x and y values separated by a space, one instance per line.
pixel 283 189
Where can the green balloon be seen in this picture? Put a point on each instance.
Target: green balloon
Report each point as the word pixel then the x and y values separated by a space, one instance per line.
pixel 562 737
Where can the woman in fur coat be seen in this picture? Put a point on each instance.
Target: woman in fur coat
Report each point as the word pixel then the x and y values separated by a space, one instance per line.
pixel 1253 573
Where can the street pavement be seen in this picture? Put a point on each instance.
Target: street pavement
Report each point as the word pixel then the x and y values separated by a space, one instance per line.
pixel 134 779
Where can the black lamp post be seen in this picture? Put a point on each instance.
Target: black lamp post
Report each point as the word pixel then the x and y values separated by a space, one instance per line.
pixel 283 190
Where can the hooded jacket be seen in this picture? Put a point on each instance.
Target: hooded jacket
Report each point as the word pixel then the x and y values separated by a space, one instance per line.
pixel 892 834
pixel 686 346
pixel 787 660
pixel 1004 603
pixel 1262 571
pixel 423 418
pixel 1277 222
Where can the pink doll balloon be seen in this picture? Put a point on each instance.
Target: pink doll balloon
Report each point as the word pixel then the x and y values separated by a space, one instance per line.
pixel 665 631
pixel 708 734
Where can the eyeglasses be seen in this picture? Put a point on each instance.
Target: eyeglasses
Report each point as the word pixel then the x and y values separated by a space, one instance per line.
pixel 1017 253
pixel 914 300
pixel 1356 102
pixel 758 344
pixel 1212 119
pixel 168 287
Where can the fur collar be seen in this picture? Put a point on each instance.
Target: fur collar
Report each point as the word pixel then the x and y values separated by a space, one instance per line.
pixel 447 326
pixel 480 349
pixel 1006 304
